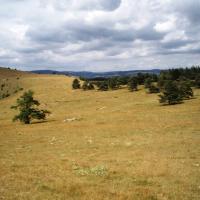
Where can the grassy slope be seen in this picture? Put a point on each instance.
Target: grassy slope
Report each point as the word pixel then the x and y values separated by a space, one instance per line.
pixel 12 81
pixel 150 151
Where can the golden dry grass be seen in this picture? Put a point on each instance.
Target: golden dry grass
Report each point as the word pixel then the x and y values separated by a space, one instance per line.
pixel 123 146
pixel 10 81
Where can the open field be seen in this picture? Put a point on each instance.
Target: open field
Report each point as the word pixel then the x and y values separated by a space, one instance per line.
pixel 123 145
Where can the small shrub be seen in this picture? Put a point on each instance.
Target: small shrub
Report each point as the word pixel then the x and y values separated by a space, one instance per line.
pixel 153 89
pixel 3 96
pixel 87 86
pixel 113 84
pixel 76 84
pixel 103 86
pixel 3 85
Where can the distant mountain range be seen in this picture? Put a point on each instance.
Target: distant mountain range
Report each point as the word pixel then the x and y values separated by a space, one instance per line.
pixel 87 74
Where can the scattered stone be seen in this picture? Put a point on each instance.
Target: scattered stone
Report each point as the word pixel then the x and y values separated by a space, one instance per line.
pixel 71 119
pixel 101 108
pixel 53 140
pixel 90 141
pixel 128 144
pixel 196 164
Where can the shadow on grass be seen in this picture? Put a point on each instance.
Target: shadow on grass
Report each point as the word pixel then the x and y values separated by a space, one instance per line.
pixel 174 104
pixel 182 102
pixel 194 97
pixel 43 121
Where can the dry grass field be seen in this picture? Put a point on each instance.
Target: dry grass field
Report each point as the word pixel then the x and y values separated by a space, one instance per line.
pixel 121 145
pixel 10 81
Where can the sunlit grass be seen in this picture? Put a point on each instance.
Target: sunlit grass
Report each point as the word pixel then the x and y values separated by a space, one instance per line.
pixel 140 149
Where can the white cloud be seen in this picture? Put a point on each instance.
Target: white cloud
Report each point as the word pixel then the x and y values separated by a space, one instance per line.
pixel 174 36
pixel 166 26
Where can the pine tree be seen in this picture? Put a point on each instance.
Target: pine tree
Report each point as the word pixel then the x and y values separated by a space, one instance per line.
pixel 171 93
pixel 153 89
pixel 122 80
pixel 27 106
pixel 113 84
pixel 133 83
pixel 76 84
pixel 197 81
pixel 185 90
pixel 147 82
pixel 103 86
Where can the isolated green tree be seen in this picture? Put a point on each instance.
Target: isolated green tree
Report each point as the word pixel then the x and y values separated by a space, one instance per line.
pixel 76 84
pixel 171 93
pixel 28 110
pixel 133 83
pixel 87 86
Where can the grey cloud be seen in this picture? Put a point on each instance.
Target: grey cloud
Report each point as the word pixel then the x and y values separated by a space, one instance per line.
pixel 100 33
pixel 111 4
pixel 148 33
pixel 83 32
pixel 190 9
pixel 79 32
pixel 177 44
pixel 108 5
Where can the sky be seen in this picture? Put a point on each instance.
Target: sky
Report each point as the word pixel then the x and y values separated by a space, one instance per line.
pixel 99 35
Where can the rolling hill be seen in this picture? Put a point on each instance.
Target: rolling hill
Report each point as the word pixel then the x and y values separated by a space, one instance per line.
pixel 99 145
pixel 11 81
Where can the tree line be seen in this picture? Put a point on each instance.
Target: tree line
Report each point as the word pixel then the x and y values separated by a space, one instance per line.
pixel 173 85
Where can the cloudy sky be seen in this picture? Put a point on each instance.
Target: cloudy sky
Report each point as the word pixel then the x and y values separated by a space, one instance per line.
pixel 99 35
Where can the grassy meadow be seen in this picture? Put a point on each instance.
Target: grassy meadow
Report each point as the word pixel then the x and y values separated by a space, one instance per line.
pixel 121 145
